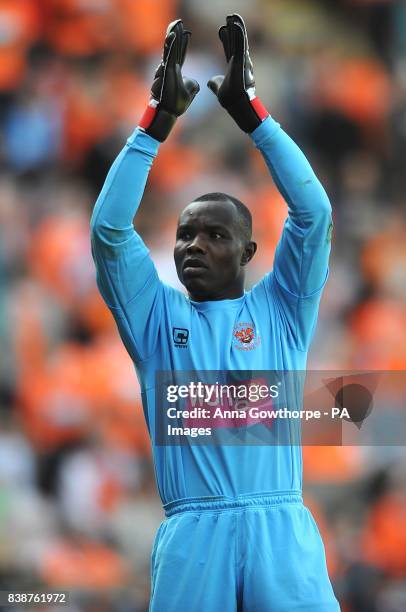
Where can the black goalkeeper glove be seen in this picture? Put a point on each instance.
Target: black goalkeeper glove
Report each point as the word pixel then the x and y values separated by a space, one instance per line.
pixel 171 93
pixel 236 90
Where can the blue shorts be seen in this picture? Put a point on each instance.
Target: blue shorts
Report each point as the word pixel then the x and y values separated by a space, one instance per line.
pixel 255 553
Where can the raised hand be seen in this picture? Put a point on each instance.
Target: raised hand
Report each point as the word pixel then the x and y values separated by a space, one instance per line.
pixel 171 92
pixel 236 89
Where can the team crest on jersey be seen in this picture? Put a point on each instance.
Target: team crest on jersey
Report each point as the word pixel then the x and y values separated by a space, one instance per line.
pixel 245 336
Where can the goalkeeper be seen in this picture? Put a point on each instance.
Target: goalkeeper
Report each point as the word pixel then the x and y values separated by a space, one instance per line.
pixel 237 535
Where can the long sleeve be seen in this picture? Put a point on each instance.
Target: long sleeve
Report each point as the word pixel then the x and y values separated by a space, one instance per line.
pixel 301 259
pixel 126 275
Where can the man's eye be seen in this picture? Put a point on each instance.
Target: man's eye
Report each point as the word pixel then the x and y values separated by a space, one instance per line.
pixel 184 236
pixel 216 235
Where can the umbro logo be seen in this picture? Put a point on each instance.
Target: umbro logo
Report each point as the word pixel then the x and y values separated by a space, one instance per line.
pixel 180 336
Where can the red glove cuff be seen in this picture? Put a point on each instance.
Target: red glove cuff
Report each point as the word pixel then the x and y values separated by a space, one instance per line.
pixel 259 108
pixel 148 116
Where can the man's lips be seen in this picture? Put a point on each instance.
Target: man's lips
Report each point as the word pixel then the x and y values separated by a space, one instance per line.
pixel 192 264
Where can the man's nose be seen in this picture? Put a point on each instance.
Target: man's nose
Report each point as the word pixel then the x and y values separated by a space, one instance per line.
pixel 197 245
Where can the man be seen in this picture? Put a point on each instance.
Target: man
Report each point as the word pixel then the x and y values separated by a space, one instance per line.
pixel 236 536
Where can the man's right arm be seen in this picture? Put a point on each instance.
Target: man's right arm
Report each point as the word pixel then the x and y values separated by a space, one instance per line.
pixel 126 275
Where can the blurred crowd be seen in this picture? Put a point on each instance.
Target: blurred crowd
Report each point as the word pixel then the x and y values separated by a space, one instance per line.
pixel 78 508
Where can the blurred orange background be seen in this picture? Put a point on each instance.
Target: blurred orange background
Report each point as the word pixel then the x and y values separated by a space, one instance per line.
pixel 78 507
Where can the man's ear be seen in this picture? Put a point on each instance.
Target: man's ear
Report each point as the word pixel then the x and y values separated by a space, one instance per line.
pixel 249 252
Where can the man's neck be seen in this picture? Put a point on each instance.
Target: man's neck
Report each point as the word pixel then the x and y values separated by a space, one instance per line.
pixel 227 295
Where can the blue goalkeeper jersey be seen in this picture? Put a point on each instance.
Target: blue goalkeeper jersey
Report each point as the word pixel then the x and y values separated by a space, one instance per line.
pixel 268 328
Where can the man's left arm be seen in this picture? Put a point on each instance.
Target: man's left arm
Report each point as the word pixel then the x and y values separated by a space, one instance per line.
pixel 301 259
pixel 300 267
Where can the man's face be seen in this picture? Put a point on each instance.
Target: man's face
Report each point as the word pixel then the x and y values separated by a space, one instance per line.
pixel 211 251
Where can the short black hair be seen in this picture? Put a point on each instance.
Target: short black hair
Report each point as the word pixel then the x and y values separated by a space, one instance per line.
pixel 243 212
